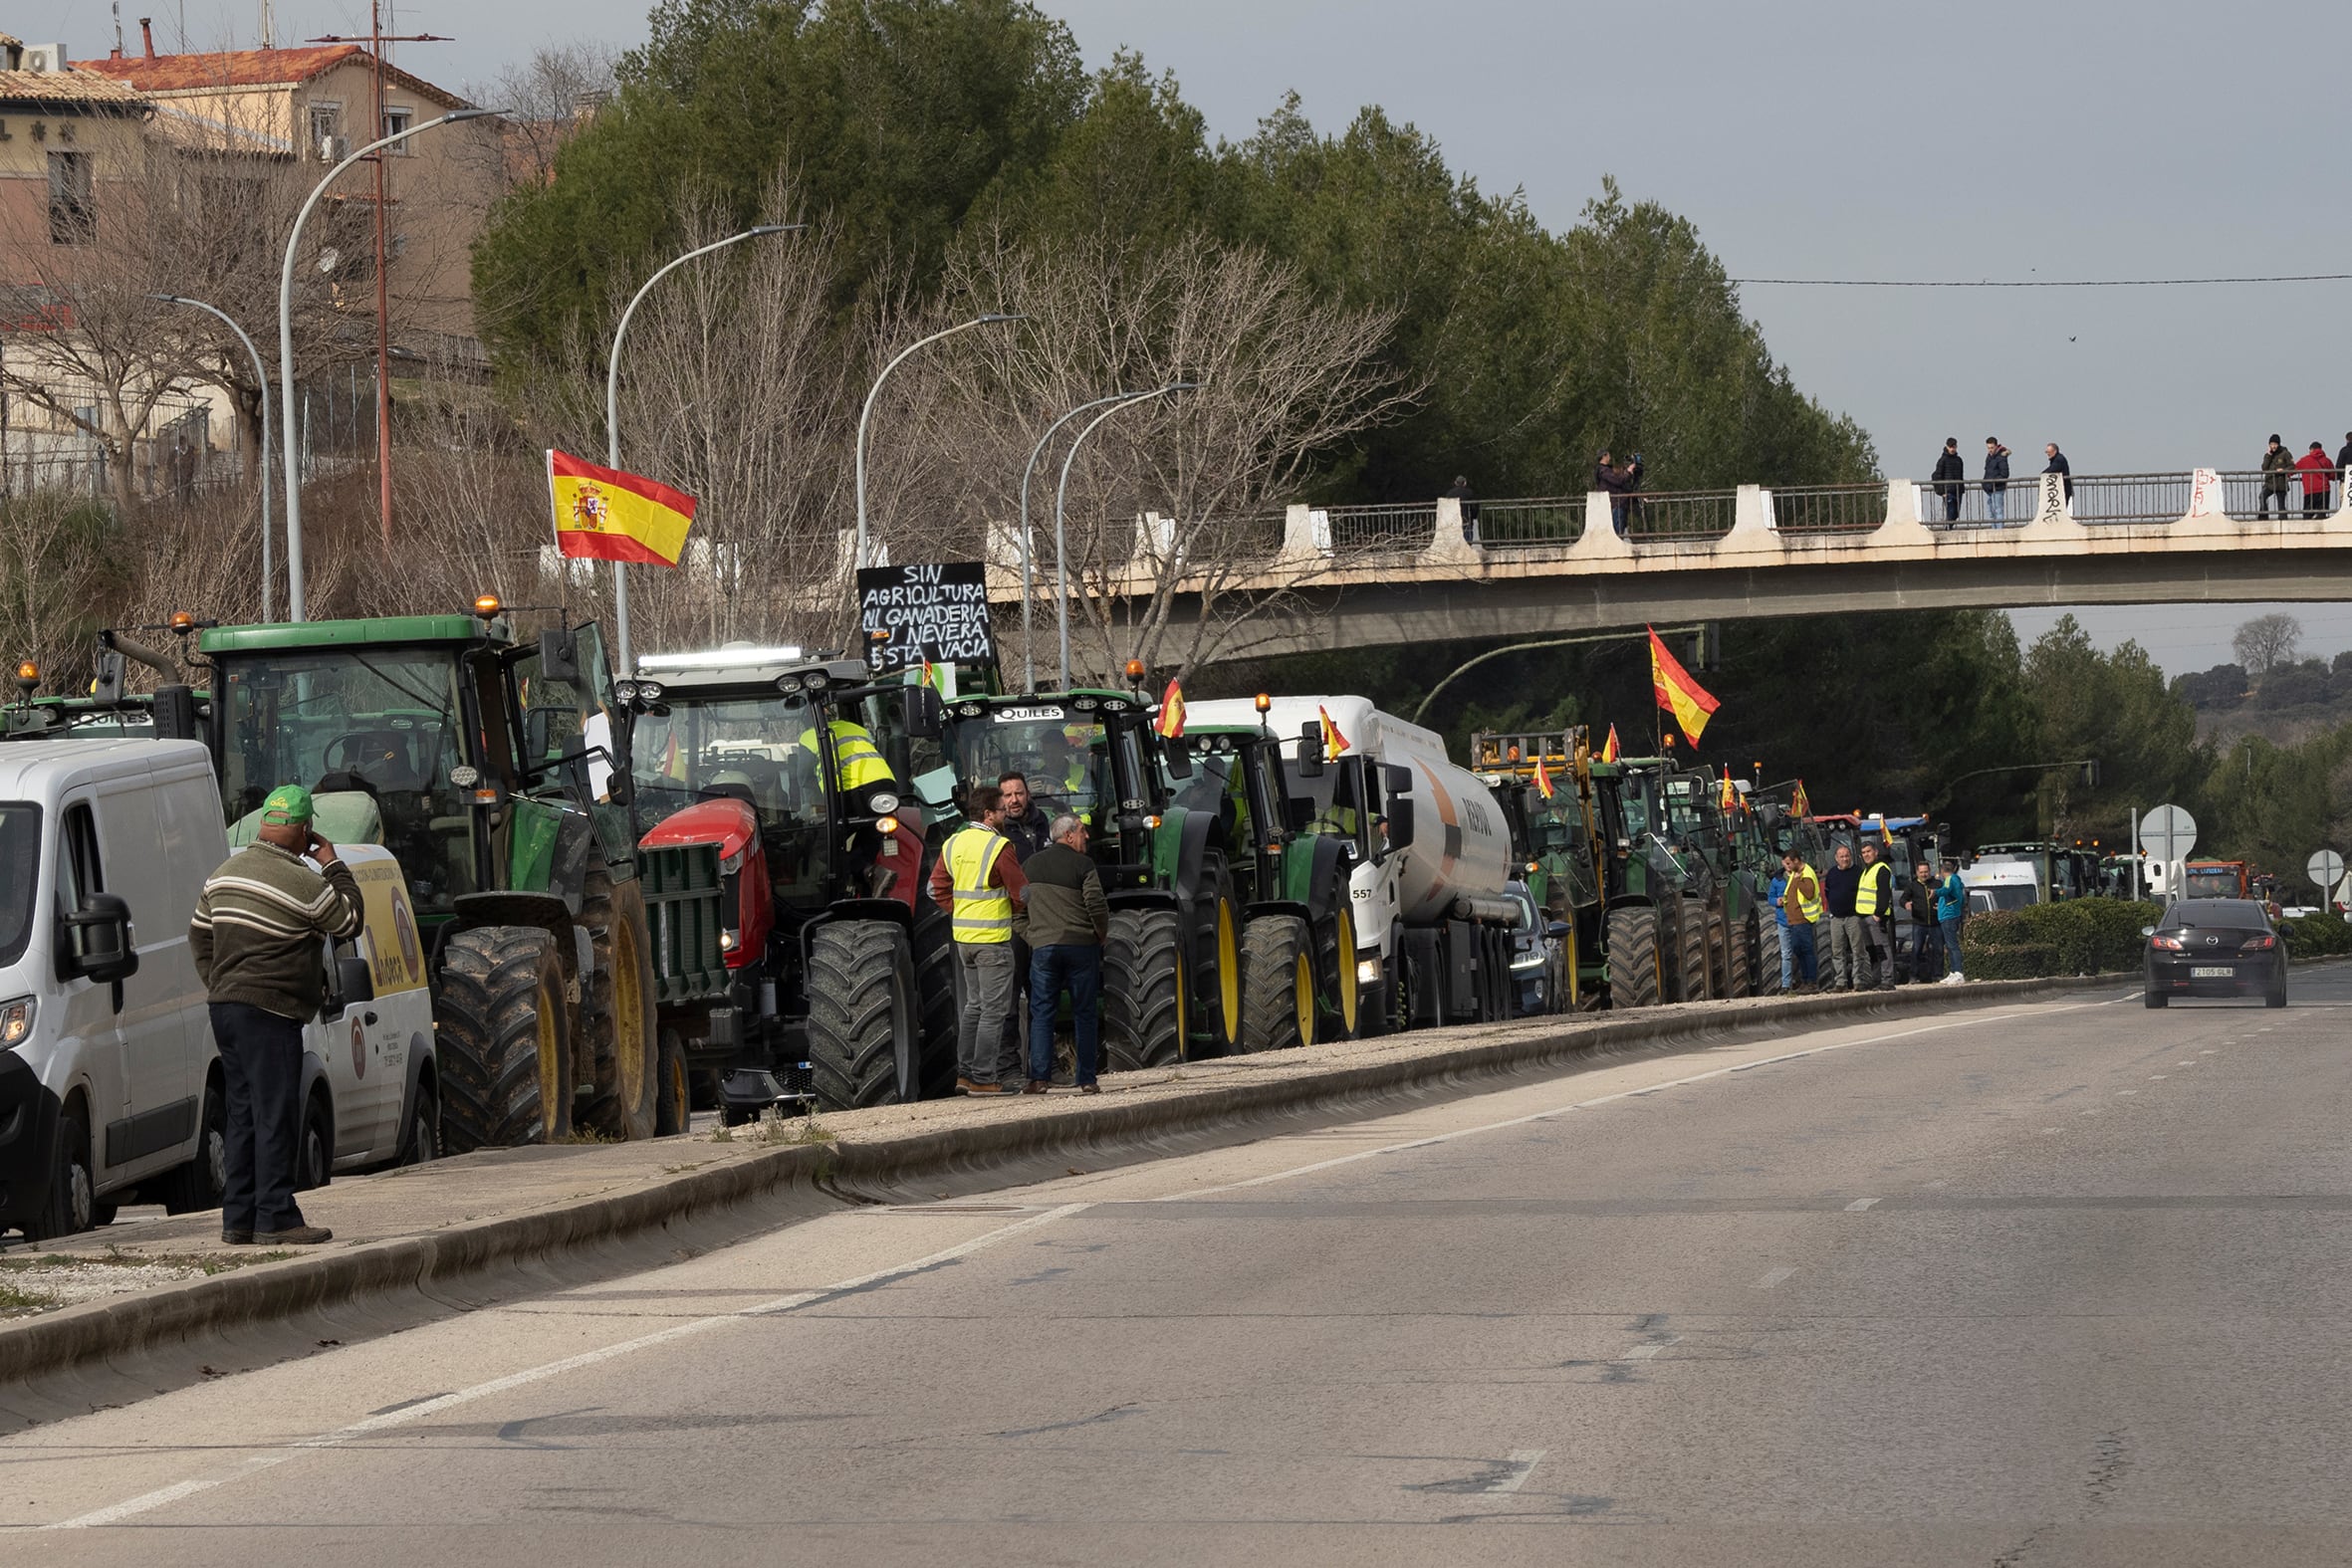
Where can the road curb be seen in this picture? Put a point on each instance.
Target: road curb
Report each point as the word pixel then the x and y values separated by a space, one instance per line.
pixel 41 1345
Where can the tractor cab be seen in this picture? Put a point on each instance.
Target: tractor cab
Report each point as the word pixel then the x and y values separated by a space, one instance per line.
pixel 1090 753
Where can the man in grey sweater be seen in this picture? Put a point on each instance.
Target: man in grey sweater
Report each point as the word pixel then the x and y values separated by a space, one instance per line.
pixel 1065 920
pixel 259 939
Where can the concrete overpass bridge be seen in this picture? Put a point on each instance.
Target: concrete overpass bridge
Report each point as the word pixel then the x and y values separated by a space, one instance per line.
pixel 1371 576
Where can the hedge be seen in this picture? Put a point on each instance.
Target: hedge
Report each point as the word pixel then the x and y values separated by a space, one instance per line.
pixel 2080 936
pixel 2316 934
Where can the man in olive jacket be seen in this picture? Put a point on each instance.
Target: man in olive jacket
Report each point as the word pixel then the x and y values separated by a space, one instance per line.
pixel 1065 923
pixel 259 938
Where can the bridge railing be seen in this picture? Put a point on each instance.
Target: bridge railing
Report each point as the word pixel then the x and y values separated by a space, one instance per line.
pixel 1535 519
pixel 1367 529
pixel 1827 509
pixel 2130 498
pixel 1999 503
pixel 2242 494
pixel 1681 515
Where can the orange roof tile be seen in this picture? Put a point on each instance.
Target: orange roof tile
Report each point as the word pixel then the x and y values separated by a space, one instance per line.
pixel 246 68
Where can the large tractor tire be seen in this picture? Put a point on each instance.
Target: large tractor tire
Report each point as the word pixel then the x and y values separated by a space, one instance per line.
pixel 1277 983
pixel 936 1009
pixel 862 1044
pixel 1145 990
pixel 503 1042
pixel 1217 961
pixel 1739 951
pixel 1691 946
pixel 1340 1003
pixel 618 1021
pixel 1637 974
pixel 1767 957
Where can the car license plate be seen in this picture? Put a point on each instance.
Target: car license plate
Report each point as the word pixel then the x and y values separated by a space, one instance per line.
pixel 2223 973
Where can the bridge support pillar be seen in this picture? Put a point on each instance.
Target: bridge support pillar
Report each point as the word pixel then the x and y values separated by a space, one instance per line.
pixel 1599 541
pixel 1304 547
pixel 1446 546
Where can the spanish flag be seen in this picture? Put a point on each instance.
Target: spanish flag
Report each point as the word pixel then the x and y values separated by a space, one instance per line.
pixel 1730 795
pixel 1171 721
pixel 1677 693
pixel 1608 751
pixel 1542 775
pixel 1799 805
pixel 604 514
pixel 1334 741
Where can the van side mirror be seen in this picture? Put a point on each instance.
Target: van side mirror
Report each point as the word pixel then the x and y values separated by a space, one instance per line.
pixel 1310 751
pixel 1400 823
pixel 558 656
pixel 1178 752
pixel 1396 780
pixel 98 940
pixel 926 716
pixel 354 981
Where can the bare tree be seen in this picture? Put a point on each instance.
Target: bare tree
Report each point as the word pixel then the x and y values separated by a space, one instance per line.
pixel 2268 641
pixel 1172 501
pixel 549 99
pixel 54 562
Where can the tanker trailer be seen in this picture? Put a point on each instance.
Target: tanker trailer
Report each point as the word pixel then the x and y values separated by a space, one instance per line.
pixel 1428 849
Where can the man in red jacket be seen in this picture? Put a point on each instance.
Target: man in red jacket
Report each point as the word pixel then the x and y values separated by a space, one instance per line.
pixel 2317 472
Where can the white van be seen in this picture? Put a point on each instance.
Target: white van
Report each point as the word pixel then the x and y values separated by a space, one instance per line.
pixel 108 1077
pixel 109 1083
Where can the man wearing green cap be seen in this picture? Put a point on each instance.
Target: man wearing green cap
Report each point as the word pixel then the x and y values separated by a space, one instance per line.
pixel 259 937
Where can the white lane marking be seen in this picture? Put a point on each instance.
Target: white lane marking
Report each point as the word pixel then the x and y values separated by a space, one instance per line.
pixel 1523 1464
pixel 148 1501
pixel 2046 1131
pixel 2158 1077
pixel 2120 1093
pixel 2189 1064
pixel 1645 1352
pixel 1775 1277
pixel 1605 1099
pixel 2207 1053
pixel 1860 1204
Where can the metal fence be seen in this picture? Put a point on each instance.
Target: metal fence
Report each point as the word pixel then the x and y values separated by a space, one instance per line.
pixel 1519 523
pixel 2245 497
pixel 1999 503
pixel 1678 515
pixel 1828 508
pixel 1357 530
pixel 2129 498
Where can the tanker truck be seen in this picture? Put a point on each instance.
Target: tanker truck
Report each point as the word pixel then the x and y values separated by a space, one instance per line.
pixel 1428 851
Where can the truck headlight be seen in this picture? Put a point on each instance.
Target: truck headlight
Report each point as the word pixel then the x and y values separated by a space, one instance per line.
pixel 1367 972
pixel 16 1022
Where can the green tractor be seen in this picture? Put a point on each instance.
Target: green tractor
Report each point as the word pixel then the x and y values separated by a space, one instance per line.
pixel 1554 839
pixel 1172 966
pixel 1657 897
pixel 1299 973
pixel 1738 905
pixel 493 771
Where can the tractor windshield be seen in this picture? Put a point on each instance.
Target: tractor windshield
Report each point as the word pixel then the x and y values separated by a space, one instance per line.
pixel 383 726
pixel 1065 756
pixel 760 749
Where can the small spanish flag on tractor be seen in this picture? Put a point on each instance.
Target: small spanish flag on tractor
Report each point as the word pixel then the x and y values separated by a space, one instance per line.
pixel 1678 694
pixel 604 514
pixel 1542 775
pixel 1730 795
pixel 1608 751
pixel 1799 805
pixel 1170 724
pixel 1334 741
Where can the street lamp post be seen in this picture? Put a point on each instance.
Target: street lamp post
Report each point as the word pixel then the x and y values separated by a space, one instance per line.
pixel 874 392
pixel 620 581
pixel 294 580
pixel 1061 493
pixel 1027 650
pixel 262 376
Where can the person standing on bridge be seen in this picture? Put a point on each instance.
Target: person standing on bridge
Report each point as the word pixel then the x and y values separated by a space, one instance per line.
pixel 2344 466
pixel 1847 951
pixel 1951 478
pixel 1997 479
pixel 1618 482
pixel 1466 503
pixel 2059 466
pixel 2317 472
pixel 2276 465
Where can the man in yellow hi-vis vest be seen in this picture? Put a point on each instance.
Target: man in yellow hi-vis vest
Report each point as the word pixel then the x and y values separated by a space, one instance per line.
pixel 1874 901
pixel 977 881
pixel 1802 910
pixel 858 763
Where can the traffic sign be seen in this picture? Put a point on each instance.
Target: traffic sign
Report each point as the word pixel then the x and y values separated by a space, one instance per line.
pixel 2326 868
pixel 2167 833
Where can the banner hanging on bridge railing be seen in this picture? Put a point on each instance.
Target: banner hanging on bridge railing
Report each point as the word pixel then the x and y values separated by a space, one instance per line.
pixel 936 612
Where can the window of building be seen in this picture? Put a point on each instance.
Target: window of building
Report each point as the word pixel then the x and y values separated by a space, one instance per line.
pixel 396 120
pixel 72 214
pixel 326 132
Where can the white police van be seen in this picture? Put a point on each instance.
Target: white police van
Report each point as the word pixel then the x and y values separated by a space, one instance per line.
pixel 109 1083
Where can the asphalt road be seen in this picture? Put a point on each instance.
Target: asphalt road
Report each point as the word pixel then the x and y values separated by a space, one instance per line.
pixel 2061 1282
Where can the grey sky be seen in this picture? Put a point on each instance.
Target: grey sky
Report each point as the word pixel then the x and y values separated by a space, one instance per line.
pixel 2003 141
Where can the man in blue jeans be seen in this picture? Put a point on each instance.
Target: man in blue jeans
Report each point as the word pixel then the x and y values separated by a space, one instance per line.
pixel 1064 922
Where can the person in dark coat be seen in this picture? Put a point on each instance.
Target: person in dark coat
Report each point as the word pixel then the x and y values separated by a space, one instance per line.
pixel 1065 920
pixel 2277 464
pixel 1620 483
pixel 1466 504
pixel 2058 465
pixel 1951 478
pixel 1997 480
pixel 1025 823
